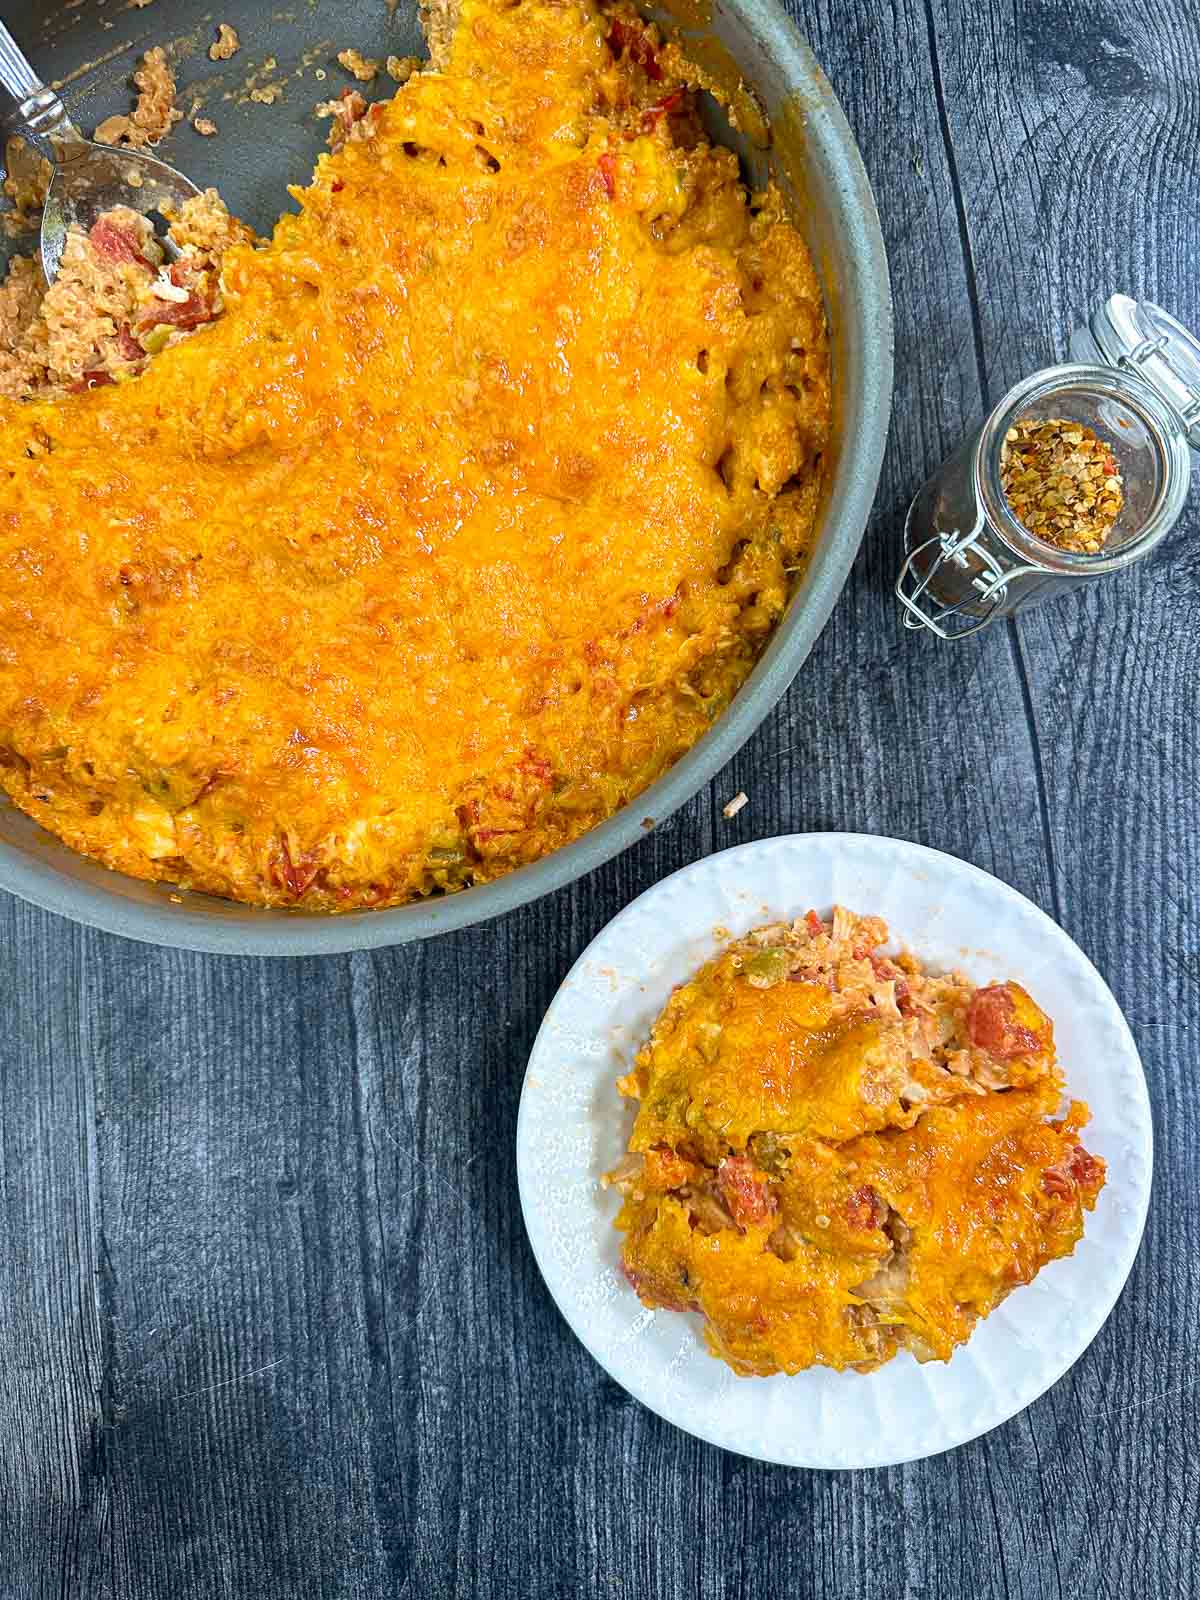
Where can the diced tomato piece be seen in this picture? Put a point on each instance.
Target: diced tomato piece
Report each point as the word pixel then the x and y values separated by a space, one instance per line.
pixel 183 314
pixel 1087 1170
pixel 296 876
pixel 886 970
pixel 745 1190
pixel 128 345
pixel 814 924
pixel 113 244
pixel 865 1209
pixel 608 171
pixel 1079 1170
pixel 665 1169
pixel 992 1024
pixel 536 766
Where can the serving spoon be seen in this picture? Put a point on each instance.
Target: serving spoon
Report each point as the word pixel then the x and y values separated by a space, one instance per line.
pixel 88 178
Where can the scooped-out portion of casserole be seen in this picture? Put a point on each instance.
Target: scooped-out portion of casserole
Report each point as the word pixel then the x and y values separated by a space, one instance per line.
pixel 837 1156
pixel 465 507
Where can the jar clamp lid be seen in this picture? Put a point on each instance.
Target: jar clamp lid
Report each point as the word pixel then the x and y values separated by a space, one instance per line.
pixel 1140 337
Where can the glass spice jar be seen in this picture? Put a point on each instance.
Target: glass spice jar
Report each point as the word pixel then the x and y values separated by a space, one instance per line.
pixel 1134 381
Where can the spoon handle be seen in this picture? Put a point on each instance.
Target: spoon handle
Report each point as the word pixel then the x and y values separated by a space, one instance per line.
pixel 25 102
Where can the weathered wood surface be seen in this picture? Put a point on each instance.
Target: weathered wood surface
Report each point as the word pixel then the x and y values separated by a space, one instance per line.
pixel 269 1326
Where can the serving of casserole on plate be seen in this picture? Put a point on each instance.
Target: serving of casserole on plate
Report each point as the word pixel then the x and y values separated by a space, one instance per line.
pixel 877 1195
pixel 462 511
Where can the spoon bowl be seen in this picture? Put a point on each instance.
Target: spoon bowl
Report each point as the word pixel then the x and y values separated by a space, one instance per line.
pixel 88 178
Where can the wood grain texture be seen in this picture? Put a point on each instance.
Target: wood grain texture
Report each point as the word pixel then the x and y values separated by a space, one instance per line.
pixel 269 1326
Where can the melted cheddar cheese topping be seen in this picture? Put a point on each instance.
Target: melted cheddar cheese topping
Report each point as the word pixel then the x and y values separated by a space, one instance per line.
pixel 462 523
pixel 837 1156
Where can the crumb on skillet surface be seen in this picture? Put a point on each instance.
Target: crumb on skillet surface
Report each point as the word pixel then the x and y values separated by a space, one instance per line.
pixel 838 1156
pixel 26 179
pixel 354 62
pixel 226 45
pixel 154 114
pixel 459 526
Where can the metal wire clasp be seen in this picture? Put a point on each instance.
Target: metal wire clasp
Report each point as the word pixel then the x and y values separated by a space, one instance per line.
pixel 991 585
pixel 1136 360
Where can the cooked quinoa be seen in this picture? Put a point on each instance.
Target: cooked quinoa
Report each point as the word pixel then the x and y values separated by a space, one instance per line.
pixel 356 63
pixel 838 1156
pixel 115 301
pixel 26 179
pixel 155 112
pixel 226 45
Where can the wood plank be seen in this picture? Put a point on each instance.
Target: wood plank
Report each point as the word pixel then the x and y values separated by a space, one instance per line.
pixel 52 1356
pixel 1054 129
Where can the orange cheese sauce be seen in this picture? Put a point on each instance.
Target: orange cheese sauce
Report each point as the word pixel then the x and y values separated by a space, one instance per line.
pixel 459 527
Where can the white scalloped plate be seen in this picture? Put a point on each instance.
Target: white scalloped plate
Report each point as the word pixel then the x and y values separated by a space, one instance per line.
pixel 573 1126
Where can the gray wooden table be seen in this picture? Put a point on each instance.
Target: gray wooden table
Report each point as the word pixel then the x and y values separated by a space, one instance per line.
pixel 269 1325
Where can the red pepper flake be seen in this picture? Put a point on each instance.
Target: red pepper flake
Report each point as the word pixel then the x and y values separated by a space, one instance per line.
pixel 337 186
pixel 608 171
pixel 665 107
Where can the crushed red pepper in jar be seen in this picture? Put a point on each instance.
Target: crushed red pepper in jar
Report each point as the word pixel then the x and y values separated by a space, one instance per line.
pixel 1062 482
